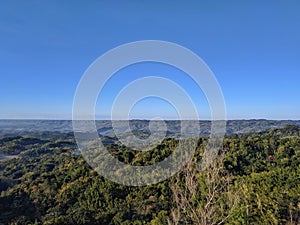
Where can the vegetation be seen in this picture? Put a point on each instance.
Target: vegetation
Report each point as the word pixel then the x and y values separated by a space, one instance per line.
pixel 255 180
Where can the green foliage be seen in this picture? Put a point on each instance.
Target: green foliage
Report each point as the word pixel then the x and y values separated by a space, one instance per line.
pixel 47 184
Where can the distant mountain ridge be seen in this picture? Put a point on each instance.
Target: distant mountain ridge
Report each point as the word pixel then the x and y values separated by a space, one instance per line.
pixel 105 128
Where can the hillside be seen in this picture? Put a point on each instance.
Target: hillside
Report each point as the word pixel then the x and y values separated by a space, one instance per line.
pixel 47 184
pixel 23 127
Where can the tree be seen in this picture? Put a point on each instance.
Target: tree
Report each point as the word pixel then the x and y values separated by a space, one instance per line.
pixel 203 197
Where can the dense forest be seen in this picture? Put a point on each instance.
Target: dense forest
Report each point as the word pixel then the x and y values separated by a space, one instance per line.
pixel 254 180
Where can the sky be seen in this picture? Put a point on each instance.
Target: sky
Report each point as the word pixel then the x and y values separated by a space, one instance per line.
pixel 252 47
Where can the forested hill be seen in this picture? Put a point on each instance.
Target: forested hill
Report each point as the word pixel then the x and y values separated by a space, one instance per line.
pixel 21 127
pixel 255 182
pixel 287 131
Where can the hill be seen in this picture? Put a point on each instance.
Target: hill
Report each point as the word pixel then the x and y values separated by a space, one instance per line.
pixel 23 127
pixel 47 184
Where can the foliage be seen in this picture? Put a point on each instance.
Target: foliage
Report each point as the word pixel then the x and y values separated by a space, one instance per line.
pixel 47 184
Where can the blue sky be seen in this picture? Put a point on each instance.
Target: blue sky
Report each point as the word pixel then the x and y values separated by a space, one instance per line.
pixel 253 48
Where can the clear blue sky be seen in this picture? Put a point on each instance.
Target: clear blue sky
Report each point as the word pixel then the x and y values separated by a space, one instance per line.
pixel 253 48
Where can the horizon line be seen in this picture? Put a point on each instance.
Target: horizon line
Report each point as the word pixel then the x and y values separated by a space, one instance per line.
pixel 146 119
